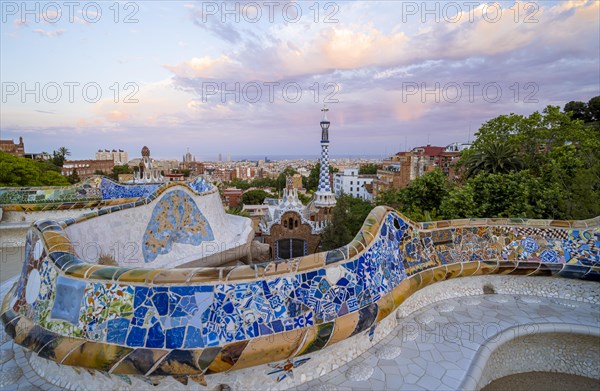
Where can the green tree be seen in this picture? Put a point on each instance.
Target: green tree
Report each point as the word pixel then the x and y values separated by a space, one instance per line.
pixel 421 199
pixel 64 152
pixel 120 169
pixel 238 212
pixel 368 169
pixel 460 202
pixel 348 216
pixel 594 108
pixel 578 110
pixel 280 183
pixel 305 198
pixel 58 157
pixel 544 165
pixel 74 177
pixel 255 197
pixel 311 183
pixel 21 172
pixel 494 157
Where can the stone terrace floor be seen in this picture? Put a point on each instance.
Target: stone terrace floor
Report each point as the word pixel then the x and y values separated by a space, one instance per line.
pixel 433 348
pixel 430 349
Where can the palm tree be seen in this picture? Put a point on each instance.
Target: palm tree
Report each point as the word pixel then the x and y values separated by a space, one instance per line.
pixel 496 157
pixel 63 151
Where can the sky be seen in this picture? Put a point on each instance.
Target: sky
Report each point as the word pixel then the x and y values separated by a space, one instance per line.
pixel 250 78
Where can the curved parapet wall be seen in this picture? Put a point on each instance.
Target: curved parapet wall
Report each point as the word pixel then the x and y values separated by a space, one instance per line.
pixel 94 192
pixel 174 226
pixel 196 321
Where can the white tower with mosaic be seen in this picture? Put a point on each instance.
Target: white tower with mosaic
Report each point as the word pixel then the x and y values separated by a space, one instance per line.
pixel 324 197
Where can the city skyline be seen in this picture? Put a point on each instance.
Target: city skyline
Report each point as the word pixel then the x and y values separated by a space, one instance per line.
pixel 386 70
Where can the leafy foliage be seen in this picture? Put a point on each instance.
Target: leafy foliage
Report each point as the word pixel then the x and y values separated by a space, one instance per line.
pixel 545 165
pixel 238 212
pixel 494 157
pixel 258 182
pixel 58 157
pixel 421 199
pixel 255 197
pixel 348 216
pixel 311 183
pixel 123 169
pixel 368 169
pixel 305 198
pixel 20 172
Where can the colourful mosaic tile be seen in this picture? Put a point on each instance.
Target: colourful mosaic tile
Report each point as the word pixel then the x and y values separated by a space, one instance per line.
pixel 93 192
pixel 206 325
pixel 175 219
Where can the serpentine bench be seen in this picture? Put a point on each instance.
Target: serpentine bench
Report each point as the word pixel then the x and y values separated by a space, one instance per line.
pixel 155 321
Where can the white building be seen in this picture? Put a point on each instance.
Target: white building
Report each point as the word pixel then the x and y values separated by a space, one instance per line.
pixel 146 172
pixel 457 147
pixel 119 157
pixel 351 183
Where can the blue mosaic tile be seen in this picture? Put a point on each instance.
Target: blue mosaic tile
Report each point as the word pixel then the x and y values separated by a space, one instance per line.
pixel 112 190
pixel 161 303
pixel 175 337
pixel 200 185
pixel 67 302
pixel 156 336
pixel 117 330
pixel 187 317
pixel 136 337
pixel 193 338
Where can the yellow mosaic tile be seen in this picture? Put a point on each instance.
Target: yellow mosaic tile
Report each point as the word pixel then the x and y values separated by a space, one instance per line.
pixel 385 306
pixel 469 268
pixel 426 278
pixel 23 327
pixel 241 273
pixel 134 275
pixel 139 364
pixel 78 271
pixel 55 241
pixel 453 270
pixel 312 261
pixel 505 267
pixel 59 348
pixel 439 273
pixel 227 357
pixel 443 224
pixel 404 290
pixel 95 355
pixel 172 276
pixel 560 223
pixel 207 274
pixel 343 328
pixel 485 269
pixel 275 347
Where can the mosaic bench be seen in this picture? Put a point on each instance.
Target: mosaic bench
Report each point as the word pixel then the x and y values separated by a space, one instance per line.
pixel 192 322
pixel 96 191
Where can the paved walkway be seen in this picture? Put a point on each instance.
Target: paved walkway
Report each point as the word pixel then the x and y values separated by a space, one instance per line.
pixel 430 349
pixel 434 347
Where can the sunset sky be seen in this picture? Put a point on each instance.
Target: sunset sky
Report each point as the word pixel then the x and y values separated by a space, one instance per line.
pixel 374 52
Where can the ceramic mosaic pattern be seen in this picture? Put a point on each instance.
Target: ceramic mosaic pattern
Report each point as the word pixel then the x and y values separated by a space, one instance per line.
pixel 212 326
pixel 200 185
pixel 112 190
pixel 175 219
pixel 103 308
pixel 285 369
pixel 92 192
